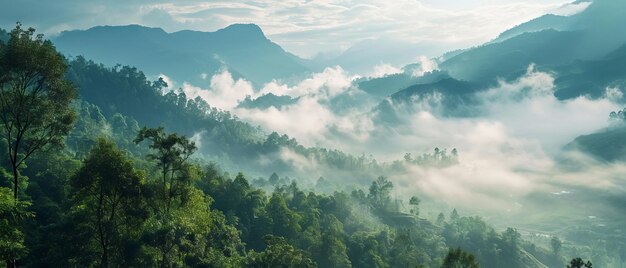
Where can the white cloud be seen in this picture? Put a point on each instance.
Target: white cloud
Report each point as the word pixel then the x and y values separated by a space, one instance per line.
pixel 530 110
pixel 313 119
pixel 572 8
pixel 383 69
pixel 506 152
pixel 224 93
pixel 614 93
pixel 424 65
pixel 171 85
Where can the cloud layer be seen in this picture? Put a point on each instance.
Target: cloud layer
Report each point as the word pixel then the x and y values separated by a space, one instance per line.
pixel 507 150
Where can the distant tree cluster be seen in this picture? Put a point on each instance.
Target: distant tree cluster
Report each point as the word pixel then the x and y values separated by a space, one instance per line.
pixel 439 158
pixel 619 115
pixel 579 263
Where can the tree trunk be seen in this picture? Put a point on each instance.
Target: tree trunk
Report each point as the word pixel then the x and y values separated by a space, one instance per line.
pixel 12 263
pixel 16 176
pixel 105 258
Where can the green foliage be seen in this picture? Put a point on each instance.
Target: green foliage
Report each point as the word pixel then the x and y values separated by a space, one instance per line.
pixel 107 202
pixel 34 97
pixel 171 153
pixel 12 214
pixel 439 158
pixel 579 263
pixel 279 253
pixel 415 202
pixel 379 193
pixel 458 258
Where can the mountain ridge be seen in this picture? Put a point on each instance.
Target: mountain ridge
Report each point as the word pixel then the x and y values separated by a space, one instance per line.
pixel 186 55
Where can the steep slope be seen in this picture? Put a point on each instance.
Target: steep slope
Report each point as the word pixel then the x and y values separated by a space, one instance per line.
pixel 607 145
pixel 388 85
pixel 447 86
pixel 446 97
pixel 592 77
pixel 545 22
pixel 588 35
pixel 186 55
pixel 487 63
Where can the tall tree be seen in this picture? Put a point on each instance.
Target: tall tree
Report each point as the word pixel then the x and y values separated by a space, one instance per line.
pixel 415 202
pixel 379 193
pixel 171 153
pixel 34 97
pixel 181 211
pixel 107 191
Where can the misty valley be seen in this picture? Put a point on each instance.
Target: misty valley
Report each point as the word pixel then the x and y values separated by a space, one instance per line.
pixel 307 134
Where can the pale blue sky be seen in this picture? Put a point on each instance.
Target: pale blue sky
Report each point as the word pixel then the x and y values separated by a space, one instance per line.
pixel 300 26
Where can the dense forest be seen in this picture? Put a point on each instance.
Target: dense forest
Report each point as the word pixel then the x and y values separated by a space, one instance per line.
pixel 98 169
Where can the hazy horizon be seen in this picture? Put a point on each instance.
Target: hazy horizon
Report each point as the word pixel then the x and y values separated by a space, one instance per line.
pixel 307 29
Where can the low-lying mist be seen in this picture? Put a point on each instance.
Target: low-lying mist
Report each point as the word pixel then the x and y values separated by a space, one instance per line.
pixel 510 141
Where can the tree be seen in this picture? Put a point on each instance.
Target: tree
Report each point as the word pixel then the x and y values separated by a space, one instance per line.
pixel 579 263
pixel 285 222
pixel 415 202
pixel 454 216
pixel 181 211
pixel 441 219
pixel 172 152
pixel 458 258
pixel 274 179
pixel 556 244
pixel 107 191
pixel 333 251
pixel 510 252
pixel 279 253
pixel 379 193
pixel 35 98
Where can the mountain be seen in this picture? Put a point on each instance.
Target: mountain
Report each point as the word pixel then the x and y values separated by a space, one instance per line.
pixel 548 40
pixel 447 86
pixel 390 84
pixel 591 78
pixel 567 45
pixel 190 56
pixel 545 22
pixel 606 145
pixel 487 63
pixel 446 97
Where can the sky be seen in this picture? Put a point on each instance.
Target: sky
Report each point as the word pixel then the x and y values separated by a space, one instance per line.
pixel 303 27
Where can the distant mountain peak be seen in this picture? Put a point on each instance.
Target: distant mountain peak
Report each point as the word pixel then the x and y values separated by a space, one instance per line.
pixel 241 29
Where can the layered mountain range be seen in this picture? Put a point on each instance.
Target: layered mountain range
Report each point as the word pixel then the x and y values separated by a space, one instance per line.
pixel 586 52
